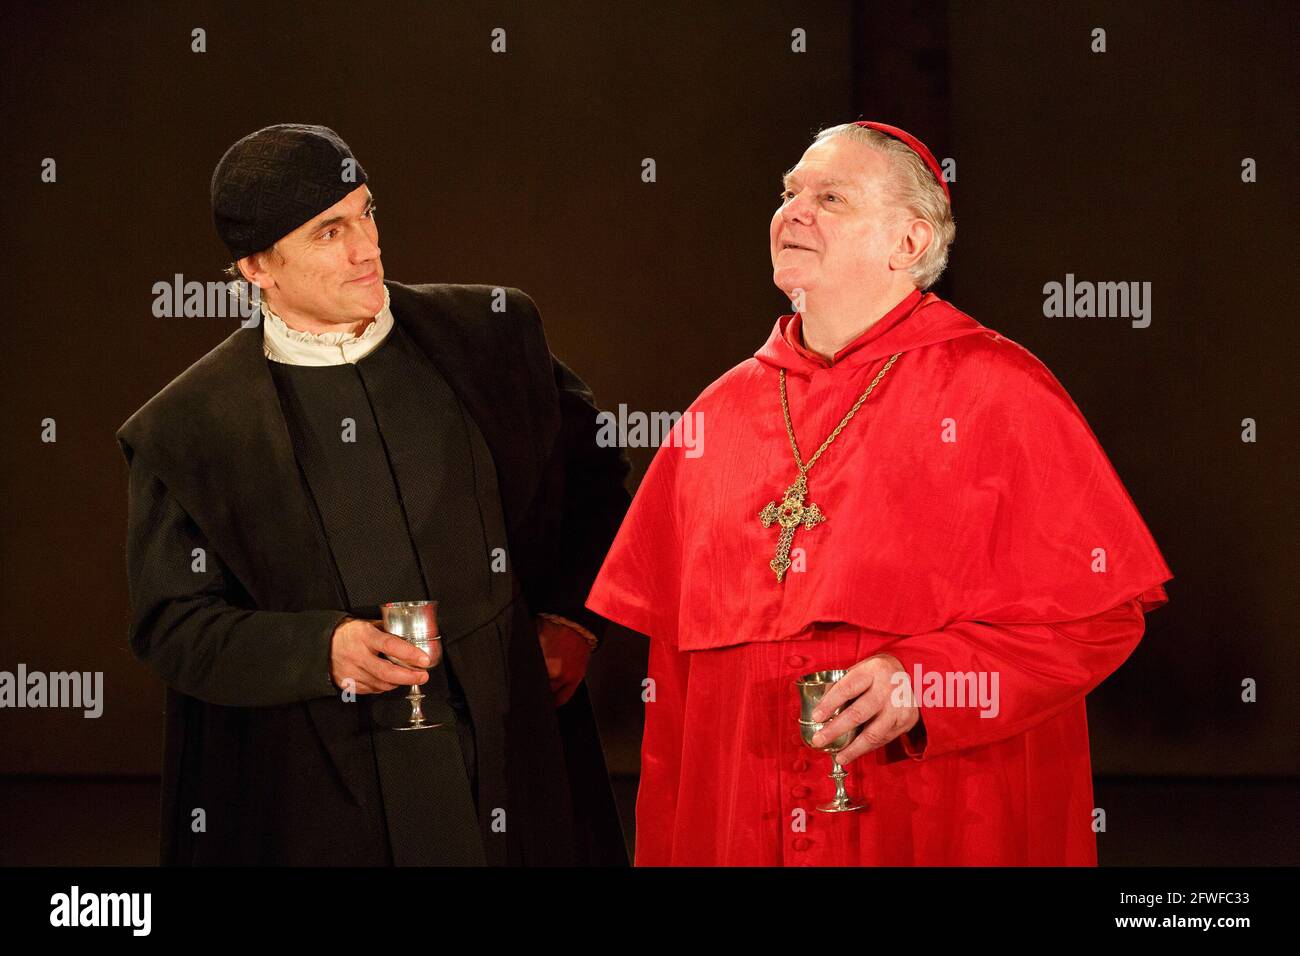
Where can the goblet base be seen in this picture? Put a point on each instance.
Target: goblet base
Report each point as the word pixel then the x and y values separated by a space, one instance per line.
pixel 840 806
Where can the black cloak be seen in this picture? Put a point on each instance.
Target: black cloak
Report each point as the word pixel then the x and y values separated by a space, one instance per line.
pixel 257 736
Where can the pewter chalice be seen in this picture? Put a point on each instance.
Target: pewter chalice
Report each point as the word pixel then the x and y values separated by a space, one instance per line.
pixel 812 687
pixel 415 622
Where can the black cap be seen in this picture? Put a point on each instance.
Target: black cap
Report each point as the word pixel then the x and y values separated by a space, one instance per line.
pixel 272 181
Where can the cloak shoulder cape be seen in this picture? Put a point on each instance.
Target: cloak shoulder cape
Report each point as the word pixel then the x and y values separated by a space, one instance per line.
pixel 216 437
pixel 968 487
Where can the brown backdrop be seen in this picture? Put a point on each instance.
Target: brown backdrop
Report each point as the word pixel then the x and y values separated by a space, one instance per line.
pixel 524 169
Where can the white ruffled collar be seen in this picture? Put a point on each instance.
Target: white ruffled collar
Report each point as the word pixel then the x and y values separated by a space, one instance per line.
pixel 293 347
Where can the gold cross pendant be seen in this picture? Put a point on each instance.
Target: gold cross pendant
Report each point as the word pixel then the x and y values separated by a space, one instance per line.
pixel 789 515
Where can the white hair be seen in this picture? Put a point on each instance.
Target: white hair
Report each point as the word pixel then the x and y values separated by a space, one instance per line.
pixel 913 189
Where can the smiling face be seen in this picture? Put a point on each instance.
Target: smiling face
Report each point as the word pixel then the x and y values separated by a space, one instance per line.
pixel 836 230
pixel 328 272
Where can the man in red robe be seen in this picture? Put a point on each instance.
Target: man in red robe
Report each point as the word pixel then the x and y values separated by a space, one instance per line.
pixel 957 541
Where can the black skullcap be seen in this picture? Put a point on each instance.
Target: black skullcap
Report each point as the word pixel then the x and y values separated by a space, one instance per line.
pixel 272 181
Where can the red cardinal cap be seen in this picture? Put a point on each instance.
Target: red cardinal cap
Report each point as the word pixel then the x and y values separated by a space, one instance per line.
pixel 915 145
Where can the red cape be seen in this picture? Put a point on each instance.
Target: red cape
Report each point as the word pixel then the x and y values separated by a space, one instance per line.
pixel 1008 524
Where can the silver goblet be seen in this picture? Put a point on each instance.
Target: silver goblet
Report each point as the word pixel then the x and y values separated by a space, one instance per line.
pixel 812 687
pixel 415 622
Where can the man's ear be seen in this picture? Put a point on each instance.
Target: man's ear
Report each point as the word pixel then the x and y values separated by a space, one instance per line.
pixel 912 244
pixel 251 267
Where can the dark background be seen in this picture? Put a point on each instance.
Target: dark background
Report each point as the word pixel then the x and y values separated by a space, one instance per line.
pixel 524 168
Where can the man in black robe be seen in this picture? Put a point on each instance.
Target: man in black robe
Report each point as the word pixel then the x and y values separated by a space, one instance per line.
pixel 371 442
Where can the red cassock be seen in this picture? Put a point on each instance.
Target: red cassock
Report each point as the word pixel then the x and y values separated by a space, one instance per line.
pixel 973 526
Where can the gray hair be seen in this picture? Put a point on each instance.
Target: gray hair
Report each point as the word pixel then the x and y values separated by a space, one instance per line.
pixel 913 189
pixel 237 277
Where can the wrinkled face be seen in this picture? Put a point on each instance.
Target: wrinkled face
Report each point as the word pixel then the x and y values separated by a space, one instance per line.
pixel 331 270
pixel 835 229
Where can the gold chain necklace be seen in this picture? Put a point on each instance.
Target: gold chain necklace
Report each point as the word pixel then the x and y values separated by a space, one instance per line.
pixel 792 511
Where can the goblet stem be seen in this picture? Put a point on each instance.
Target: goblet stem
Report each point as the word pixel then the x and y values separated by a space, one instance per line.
pixel 417 715
pixel 839 775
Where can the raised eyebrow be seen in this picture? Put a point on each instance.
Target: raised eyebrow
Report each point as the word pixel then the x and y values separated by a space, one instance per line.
pixel 824 183
pixel 326 223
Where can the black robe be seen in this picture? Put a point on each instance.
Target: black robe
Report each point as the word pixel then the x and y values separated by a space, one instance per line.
pixel 259 745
